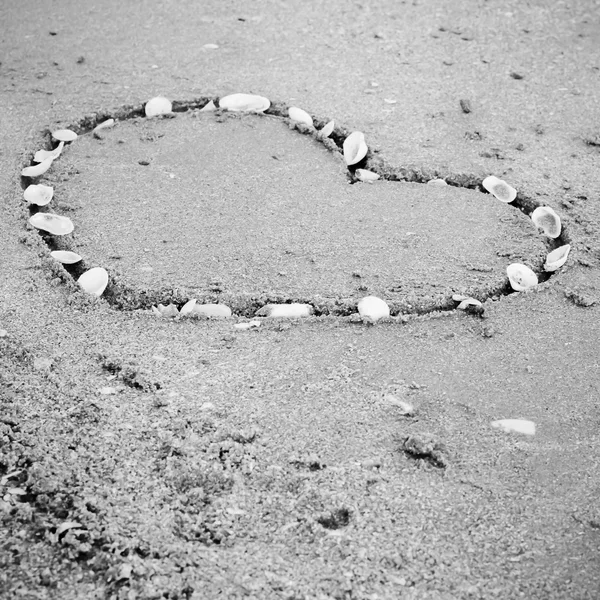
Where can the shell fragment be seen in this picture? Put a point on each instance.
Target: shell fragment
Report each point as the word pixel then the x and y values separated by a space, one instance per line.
pixel 158 106
pixel 39 194
pixel 500 189
pixel 438 182
pixel 54 224
pixel 368 176
pixel 187 308
pixel 248 325
pixel 42 155
pixel 545 218
pixel 66 257
pixel 372 308
pixel 355 148
pixel 212 310
pixel 327 129
pixel 245 103
pixel 300 116
pixel 94 281
pixel 557 258
pixel 515 426
pixel 64 135
pixel 38 169
pixel 294 310
pixel 521 278
pixel 209 107
pixel 104 125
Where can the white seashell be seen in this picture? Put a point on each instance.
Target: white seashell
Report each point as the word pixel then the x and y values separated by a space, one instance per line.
pixel 42 155
pixel 300 116
pixel 521 277
pixel 65 257
pixel 439 182
pixel 54 224
pixel 158 106
pixel 355 148
pixel 294 310
pixel 37 170
pixel 545 218
pixel 64 135
pixel 373 308
pixel 211 106
pixel 166 311
pixel 249 325
pixel 212 310
pixel 557 258
pixel 500 189
pixel 327 129
pixel 368 176
pixel 104 125
pixel 39 194
pixel 187 308
pixel 515 426
pixel 94 281
pixel 468 302
pixel 245 103
pixel 459 297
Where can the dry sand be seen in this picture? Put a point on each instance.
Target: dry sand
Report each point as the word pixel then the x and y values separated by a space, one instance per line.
pixel 150 458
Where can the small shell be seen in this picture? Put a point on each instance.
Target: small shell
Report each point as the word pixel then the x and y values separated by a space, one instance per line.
pixel 158 106
pixel 438 182
pixel 468 302
pixel 245 103
pixel 212 310
pixel 39 194
pixel 104 125
pixel 355 148
pixel 187 308
pixel 38 169
pixel 94 281
pixel 167 311
pixel 515 426
pixel 500 189
pixel 249 325
pixel 300 116
pixel 368 176
pixel 294 310
pixel 65 257
pixel 210 107
pixel 64 135
pixel 545 218
pixel 373 308
pixel 557 258
pixel 327 129
pixel 521 277
pixel 54 224
pixel 42 155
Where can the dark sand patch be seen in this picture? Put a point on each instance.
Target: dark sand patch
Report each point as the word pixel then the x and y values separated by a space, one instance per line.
pixel 243 204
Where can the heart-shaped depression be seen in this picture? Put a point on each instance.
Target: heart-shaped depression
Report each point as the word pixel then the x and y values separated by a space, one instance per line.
pixel 233 207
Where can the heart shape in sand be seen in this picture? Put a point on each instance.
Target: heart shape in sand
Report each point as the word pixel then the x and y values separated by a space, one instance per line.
pixel 237 208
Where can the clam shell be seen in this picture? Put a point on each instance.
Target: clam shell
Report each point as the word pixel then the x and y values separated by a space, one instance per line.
pixel 94 281
pixel 545 218
pixel 187 308
pixel 39 194
pixel 158 106
pixel 521 277
pixel 294 310
pixel 515 426
pixel 373 308
pixel 500 189
pixel 65 257
pixel 468 302
pixel 557 258
pixel 212 310
pixel 439 182
pixel 368 176
pixel 211 106
pixel 42 155
pixel 300 116
pixel 327 129
pixel 245 103
pixel 64 135
pixel 355 148
pixel 104 125
pixel 37 170
pixel 54 224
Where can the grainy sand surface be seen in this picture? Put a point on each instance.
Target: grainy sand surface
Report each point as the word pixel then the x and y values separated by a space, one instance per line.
pixel 146 458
